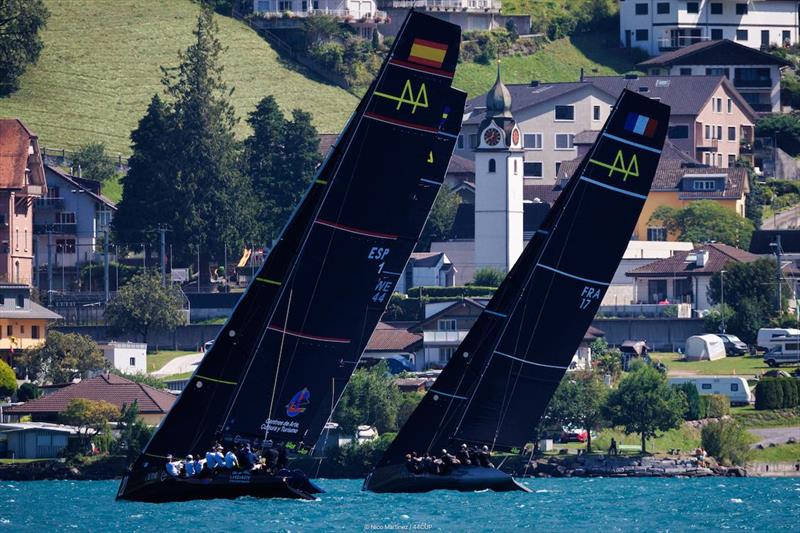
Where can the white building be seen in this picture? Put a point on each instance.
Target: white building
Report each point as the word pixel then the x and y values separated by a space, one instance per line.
pixel 357 9
pixel 658 26
pixel 127 357
pixel 427 269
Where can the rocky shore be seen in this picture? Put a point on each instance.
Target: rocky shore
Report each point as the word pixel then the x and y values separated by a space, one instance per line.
pixel 622 466
pixel 104 468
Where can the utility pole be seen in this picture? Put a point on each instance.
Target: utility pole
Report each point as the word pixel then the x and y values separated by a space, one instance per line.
pixel 722 299
pixel 198 268
pixel 778 253
pixel 163 255
pixel 144 256
pixel 105 264
pixel 49 266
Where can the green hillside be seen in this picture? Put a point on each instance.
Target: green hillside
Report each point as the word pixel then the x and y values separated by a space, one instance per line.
pixel 560 60
pixel 100 66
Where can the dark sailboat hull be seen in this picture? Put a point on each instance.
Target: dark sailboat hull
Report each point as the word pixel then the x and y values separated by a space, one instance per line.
pixel 397 478
pixel 224 485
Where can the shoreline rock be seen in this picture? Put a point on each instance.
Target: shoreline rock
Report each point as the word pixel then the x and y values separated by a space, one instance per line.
pixel 622 466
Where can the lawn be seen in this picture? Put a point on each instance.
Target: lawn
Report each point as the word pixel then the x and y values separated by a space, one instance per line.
pixel 599 54
pixel 685 439
pixel 727 366
pixel 159 359
pixel 112 189
pixel 749 417
pixel 21 461
pixel 782 453
pixel 100 68
pixel 175 377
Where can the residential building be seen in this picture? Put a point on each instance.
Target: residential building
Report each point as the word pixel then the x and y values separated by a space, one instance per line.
pixel 70 223
pixel 710 120
pixel 21 181
pixel 23 322
pixel 469 14
pixel 34 440
pixel 658 26
pixel 427 269
pixel 755 74
pixel 153 403
pixel 355 9
pixel 685 277
pixel 394 339
pixel 127 357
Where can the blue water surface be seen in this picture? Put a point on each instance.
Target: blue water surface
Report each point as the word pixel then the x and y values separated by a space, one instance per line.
pixel 563 505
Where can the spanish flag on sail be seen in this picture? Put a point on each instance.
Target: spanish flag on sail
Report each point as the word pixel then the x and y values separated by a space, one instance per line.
pixel 427 53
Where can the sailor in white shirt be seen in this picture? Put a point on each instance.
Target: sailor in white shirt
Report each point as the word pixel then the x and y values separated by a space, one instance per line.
pixel 173 467
pixel 189 466
pixel 231 461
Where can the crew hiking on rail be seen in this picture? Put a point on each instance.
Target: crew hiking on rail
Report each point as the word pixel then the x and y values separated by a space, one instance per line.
pixel 446 462
pixel 268 461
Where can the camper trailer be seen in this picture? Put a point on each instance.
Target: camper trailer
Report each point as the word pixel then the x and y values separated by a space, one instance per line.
pixel 765 337
pixel 734 387
pixel 784 351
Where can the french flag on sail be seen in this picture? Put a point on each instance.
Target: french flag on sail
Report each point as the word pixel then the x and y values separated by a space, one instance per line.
pixel 641 124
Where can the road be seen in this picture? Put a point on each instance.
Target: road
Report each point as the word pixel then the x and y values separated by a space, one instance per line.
pixel 775 435
pixel 789 219
pixel 180 365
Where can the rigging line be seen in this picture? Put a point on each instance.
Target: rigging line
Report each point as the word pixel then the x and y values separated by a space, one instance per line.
pixel 278 366
pixel 327 431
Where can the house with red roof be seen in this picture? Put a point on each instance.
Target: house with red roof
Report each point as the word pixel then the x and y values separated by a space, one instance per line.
pixel 392 339
pixel 153 403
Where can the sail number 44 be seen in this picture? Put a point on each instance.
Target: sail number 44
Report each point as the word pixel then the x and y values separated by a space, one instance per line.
pixel 384 287
pixel 588 295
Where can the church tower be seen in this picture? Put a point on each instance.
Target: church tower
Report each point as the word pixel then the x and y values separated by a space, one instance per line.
pixel 498 183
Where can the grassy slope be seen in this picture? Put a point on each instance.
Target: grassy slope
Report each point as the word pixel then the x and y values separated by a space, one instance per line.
pixel 100 67
pixel 560 60
pixel 783 453
pixel 726 366
pixel 159 359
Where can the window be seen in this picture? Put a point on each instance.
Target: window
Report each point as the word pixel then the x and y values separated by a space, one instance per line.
pixel 20 301
pixel 473 140
pixel 532 141
pixel 445 353
pixel 446 324
pixel 596 112
pixel 716 104
pixel 741 35
pixel 565 112
pixel 262 5
pixel 708 131
pixel 656 234
pixel 492 166
pixel 65 218
pixel 304 5
pixel 685 71
pixel 703 185
pixel 558 167
pixel 786 36
pixel 705 386
pixel 2 300
pixel 731 160
pixel 716 34
pixel 533 169
pixel 16 239
pixel 735 386
pixel 662 8
pixel 641 9
pixel 693 7
pixel 65 246
pixel 460 142
pixel 10 330
pixel 764 37
pixel 716 8
pixel 732 134
pixel 132 361
pixel 730 105
pixel 741 9
pixel 34 332
pixel 657 290
pixel 25 242
pixel 284 5
pixel 564 141
pixel 642 35
pixel 719 132
pixel 680 131
pixel 720 71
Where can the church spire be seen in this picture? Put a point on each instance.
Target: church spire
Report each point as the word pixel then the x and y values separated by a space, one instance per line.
pixel 498 100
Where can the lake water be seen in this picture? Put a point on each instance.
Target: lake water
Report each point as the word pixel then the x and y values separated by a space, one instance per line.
pixel 563 505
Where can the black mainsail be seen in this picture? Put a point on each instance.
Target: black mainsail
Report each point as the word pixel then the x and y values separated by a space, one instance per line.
pixel 498 383
pixel 295 337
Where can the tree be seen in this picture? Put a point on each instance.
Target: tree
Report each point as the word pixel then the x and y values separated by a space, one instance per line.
pixel 89 415
pixel 94 162
pixel 488 277
pixel 757 199
pixel 705 221
pixel 727 441
pixel 28 391
pixel 8 380
pixel 371 397
pixel 750 289
pixel 20 43
pixel 578 402
pixel 440 222
pixel 784 128
pixel 142 304
pixel 63 357
pixel 712 320
pixel 133 432
pixel 643 403
pixel 605 359
pixel 141 377
pixel 693 410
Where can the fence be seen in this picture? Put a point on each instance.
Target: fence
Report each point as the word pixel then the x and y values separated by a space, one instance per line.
pixel 64 158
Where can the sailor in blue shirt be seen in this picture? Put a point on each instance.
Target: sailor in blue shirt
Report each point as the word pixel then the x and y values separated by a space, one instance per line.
pixel 211 460
pixel 188 465
pixel 231 461
pixel 173 467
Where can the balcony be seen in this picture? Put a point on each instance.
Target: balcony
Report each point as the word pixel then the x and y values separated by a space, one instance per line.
pixel 666 44
pixel 47 202
pixel 746 148
pixel 762 108
pixel 762 83
pixel 61 229
pixel 430 338
pixel 707 145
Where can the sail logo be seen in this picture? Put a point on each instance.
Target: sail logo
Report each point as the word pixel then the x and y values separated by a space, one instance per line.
pixel 640 125
pixel 408 97
pixel 298 403
pixel 619 165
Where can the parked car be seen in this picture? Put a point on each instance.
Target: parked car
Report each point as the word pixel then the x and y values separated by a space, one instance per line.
pixel 767 335
pixel 784 351
pixel 733 345
pixel 571 434
pixel 775 373
pixel 397 363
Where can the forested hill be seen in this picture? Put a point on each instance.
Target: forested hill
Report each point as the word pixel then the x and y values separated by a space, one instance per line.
pixel 100 67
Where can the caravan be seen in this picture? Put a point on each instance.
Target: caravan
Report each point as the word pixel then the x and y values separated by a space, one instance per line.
pixel 734 387
pixel 767 335
pixel 784 351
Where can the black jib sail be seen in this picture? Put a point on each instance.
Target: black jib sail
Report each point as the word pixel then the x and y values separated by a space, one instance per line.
pixel 281 361
pixel 498 383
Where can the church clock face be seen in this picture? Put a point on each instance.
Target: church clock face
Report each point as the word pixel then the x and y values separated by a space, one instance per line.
pixel 491 137
pixel 515 137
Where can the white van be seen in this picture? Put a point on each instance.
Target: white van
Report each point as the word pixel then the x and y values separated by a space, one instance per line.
pixel 784 351
pixel 734 387
pixel 766 335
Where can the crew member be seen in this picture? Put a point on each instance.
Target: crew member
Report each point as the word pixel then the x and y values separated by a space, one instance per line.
pixel 173 467
pixel 188 466
pixel 485 457
pixel 231 461
pixel 463 455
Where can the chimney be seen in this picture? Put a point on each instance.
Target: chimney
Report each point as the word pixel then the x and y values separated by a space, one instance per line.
pixel 701 258
pixel 581 74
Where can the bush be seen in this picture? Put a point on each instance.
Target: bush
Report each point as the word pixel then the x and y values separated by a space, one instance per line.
pixel 8 380
pixel 28 391
pixel 777 393
pixel 714 406
pixel 488 277
pixel 116 273
pixel 727 441
pixel 789 392
pixel 693 403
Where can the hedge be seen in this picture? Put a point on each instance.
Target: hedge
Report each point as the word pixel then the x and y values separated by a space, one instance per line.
pixel 714 406
pixel 777 393
pixel 465 291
